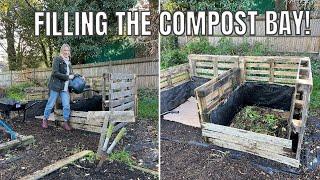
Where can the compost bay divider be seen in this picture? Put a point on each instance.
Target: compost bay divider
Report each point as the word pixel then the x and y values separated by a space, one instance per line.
pixel 227 74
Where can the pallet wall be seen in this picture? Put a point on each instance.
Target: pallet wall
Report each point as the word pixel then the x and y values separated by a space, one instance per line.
pixel 174 76
pixel 209 66
pixel 215 91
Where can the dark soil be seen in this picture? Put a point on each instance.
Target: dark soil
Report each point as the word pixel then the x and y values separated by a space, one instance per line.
pixel 84 169
pixel 184 155
pixel 262 120
pixel 55 143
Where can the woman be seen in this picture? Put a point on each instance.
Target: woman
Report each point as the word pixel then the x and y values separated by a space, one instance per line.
pixel 58 85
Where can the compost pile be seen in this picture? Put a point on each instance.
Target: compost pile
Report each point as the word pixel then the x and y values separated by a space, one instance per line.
pixel 262 120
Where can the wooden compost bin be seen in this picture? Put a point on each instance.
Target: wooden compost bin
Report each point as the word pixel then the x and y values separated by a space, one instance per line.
pixel 119 98
pixel 229 72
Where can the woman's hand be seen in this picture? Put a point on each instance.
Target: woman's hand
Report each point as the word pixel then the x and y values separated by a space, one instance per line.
pixel 71 76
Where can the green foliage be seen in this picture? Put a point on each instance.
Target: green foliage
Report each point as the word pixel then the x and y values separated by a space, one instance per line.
pixel 219 5
pixel 122 156
pixel 31 51
pixel 173 57
pixel 251 114
pixel 91 157
pixel 199 46
pixel 315 96
pixel 148 104
pixel 261 120
pixel 16 91
pixel 225 46
pixel 169 42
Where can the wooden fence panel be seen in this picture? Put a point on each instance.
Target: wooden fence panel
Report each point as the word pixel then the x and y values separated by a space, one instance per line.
pixel 146 70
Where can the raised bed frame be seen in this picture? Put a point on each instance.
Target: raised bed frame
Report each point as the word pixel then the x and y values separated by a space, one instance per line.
pixel 229 72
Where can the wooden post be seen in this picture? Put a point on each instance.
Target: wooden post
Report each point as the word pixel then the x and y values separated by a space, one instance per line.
pixel 242 66
pixel 192 64
pixel 104 77
pixel 135 96
pixel 271 78
pixel 215 66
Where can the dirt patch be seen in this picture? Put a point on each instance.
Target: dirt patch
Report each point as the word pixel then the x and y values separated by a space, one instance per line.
pixel 184 155
pixel 262 120
pixel 55 143
pixel 84 169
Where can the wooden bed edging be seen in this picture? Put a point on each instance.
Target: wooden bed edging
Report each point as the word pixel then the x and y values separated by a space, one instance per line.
pixel 55 166
pixel 270 147
pixel 20 141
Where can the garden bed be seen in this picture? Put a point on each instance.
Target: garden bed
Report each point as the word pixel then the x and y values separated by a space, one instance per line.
pixel 268 121
pixel 55 143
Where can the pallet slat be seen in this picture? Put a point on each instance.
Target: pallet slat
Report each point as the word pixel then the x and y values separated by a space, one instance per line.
pixel 55 166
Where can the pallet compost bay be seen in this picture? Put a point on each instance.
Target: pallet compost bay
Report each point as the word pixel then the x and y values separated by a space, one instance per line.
pixel 262 120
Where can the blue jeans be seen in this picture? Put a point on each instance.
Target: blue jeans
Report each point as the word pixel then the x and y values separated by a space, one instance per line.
pixel 65 98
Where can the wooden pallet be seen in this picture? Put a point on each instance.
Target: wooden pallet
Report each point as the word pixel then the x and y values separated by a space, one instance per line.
pixel 174 76
pixel 210 66
pixel 91 121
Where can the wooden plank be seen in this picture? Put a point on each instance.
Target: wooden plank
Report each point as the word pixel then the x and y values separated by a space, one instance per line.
pixel 257 78
pixel 121 85
pixel 118 102
pixel 248 71
pixel 20 141
pixel 55 166
pixel 116 95
pixel 285 73
pixel 227 65
pixel 197 57
pixel 248 135
pixel 285 66
pixel 257 65
pixel 285 80
pixel 251 144
pixel 95 118
pixel 205 71
pixel 265 154
pixel 124 107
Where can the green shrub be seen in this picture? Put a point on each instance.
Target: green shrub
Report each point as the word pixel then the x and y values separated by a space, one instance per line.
pixel 199 46
pixel 169 42
pixel 225 46
pixel 16 91
pixel 173 57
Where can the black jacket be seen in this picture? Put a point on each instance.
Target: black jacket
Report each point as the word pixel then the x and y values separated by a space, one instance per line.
pixel 59 74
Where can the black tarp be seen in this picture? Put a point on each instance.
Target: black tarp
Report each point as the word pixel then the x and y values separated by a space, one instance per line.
pixel 175 96
pixel 91 104
pixel 252 94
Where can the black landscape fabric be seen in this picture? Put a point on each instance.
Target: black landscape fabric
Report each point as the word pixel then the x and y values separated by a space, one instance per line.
pixel 177 95
pixel 252 94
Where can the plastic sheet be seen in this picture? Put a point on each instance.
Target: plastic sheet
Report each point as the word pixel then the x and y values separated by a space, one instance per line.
pixel 175 96
pixel 252 94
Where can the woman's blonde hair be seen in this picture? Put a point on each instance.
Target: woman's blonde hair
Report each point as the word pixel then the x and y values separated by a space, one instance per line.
pixel 63 46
